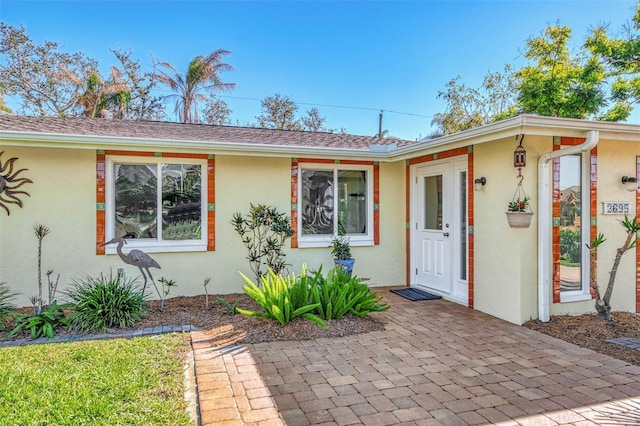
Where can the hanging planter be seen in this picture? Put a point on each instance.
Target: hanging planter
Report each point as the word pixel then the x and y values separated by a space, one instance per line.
pixel 519 219
pixel 519 213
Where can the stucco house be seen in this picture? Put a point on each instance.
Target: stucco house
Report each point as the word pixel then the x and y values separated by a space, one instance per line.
pixel 425 214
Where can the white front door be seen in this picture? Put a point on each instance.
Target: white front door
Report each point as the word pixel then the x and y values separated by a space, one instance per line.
pixel 439 228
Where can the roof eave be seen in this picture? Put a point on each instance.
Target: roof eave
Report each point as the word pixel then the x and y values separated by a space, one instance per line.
pixel 56 140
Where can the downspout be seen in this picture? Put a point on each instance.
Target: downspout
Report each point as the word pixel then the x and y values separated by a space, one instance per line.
pixel 544 219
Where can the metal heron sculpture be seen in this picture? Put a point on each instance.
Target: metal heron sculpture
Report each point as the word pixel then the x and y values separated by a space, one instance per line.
pixel 136 258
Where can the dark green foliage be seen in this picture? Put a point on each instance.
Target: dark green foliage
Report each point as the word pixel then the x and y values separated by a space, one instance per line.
pixel 312 296
pixel 107 301
pixel 340 293
pixel 232 309
pixel 42 324
pixel 264 232
pixel 6 297
pixel 340 248
pixel 570 244
pixel 282 298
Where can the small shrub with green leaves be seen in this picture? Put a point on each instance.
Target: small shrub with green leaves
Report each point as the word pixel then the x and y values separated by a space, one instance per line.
pixel 281 298
pixel 107 301
pixel 340 293
pixel 231 308
pixel 6 301
pixel 43 324
pixel 264 232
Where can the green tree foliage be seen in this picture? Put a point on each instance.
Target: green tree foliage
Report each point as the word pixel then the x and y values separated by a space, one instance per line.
pixel 468 107
pixel 216 111
pixel 203 75
pixel 557 83
pixel 4 109
pixel 140 103
pixel 45 80
pixel 622 57
pixel 280 112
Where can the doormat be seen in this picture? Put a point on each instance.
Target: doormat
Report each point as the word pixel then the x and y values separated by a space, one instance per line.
pixel 414 294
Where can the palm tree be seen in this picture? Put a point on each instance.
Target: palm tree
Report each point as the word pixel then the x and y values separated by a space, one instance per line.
pixel 202 75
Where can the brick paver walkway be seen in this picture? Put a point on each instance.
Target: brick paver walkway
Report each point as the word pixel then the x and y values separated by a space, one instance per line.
pixel 437 363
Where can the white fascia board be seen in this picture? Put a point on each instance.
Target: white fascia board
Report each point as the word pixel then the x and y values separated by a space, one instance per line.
pixel 522 124
pixel 56 140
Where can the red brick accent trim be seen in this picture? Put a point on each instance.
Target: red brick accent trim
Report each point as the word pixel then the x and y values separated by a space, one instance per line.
pixel 294 202
pixel 295 171
pixel 101 199
pixel 211 199
pixel 638 248
pixel 470 212
pixel 470 235
pixel 593 207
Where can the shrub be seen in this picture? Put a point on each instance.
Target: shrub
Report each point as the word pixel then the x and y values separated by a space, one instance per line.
pixel 43 324
pixel 264 232
pixel 281 298
pixel 340 293
pixel 108 301
pixel 6 297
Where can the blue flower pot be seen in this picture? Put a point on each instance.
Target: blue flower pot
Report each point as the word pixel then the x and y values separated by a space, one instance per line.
pixel 346 265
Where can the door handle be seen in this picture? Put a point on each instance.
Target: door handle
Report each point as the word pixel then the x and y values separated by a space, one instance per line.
pixel 446 234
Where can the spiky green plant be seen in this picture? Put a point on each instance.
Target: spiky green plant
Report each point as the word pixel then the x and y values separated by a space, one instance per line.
pixel 6 301
pixel 281 298
pixel 340 293
pixel 106 301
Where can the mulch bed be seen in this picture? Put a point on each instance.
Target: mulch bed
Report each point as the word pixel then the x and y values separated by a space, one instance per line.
pixel 225 329
pixel 588 332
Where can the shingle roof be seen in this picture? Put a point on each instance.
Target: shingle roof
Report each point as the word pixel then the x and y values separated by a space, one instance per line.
pixel 187 132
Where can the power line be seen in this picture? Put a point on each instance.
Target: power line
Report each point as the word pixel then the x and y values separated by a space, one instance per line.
pixel 335 106
pixel 325 105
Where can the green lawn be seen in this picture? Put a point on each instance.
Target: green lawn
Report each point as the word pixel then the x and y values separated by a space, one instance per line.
pixel 107 382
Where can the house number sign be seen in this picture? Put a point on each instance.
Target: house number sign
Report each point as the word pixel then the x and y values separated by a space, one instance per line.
pixel 616 207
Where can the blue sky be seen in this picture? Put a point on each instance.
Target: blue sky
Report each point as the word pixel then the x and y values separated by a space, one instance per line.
pixel 364 55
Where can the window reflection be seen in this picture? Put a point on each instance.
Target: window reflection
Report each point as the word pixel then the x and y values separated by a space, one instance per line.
pixel 571 241
pixel 433 202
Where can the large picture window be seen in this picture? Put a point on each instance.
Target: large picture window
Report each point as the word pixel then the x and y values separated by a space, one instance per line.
pixel 159 204
pixel 335 200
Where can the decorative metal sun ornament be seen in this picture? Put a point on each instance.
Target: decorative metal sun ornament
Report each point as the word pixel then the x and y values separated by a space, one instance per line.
pixel 10 182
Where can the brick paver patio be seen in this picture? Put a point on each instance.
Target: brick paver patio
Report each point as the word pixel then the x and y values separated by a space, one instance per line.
pixel 437 363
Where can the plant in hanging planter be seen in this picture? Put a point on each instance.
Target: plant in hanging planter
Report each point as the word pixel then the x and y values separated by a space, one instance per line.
pixel 519 211
pixel 520 205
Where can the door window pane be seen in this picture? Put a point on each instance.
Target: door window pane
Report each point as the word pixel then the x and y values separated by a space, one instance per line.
pixel 181 201
pixel 136 199
pixel 571 238
pixel 433 202
pixel 352 202
pixel 463 225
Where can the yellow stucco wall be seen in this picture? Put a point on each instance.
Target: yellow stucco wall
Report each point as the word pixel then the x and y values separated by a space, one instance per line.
pixel 63 198
pixel 505 258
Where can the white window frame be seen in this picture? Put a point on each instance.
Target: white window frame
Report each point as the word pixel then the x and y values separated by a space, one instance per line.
pixel 585 229
pixel 154 245
pixel 308 241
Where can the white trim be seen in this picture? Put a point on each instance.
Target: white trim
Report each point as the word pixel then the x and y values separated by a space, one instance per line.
pixel 324 240
pixel 147 244
pixel 522 124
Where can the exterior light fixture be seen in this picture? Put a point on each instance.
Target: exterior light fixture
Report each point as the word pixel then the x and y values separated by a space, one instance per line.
pixel 630 183
pixel 479 183
pixel 520 155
